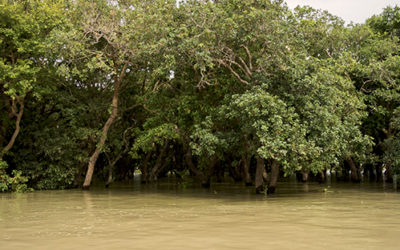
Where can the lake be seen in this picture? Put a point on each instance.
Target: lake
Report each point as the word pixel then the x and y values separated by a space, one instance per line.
pixel 226 216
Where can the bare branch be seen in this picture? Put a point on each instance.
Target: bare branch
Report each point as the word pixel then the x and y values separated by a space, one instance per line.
pixel 156 85
pixel 245 69
pixel 132 107
pixel 249 57
pixel 327 52
pixel 149 110
pixel 202 81
pixel 233 72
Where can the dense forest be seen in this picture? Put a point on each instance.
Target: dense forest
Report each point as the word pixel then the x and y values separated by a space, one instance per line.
pixel 247 90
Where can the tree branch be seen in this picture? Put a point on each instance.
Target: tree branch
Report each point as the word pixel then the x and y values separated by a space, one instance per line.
pixel 17 124
pixel 249 57
pixel 233 72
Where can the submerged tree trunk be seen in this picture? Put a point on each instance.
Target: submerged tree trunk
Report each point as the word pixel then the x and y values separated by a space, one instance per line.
pixel 274 177
pixel 259 175
pixel 18 114
pixel 103 137
pixel 355 177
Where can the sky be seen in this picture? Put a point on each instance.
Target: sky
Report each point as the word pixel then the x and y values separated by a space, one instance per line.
pixel 356 11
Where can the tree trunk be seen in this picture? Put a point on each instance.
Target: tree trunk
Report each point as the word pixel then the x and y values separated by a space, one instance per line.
pixel 144 178
pixel 246 170
pixel 265 175
pixel 322 176
pixel 354 171
pixel 162 171
pixel 274 177
pixel 10 144
pixel 220 173
pixel 103 138
pixel 388 173
pixel 206 181
pixel 259 175
pixel 111 166
pixel 153 175
pixel 234 171
pixel 246 160
pixel 119 156
pixel 379 177
pixel 369 171
pixel 192 167
pixel 204 178
pixel 345 174
pixel 110 176
pixel 304 175
pixel 170 158
pixel 79 175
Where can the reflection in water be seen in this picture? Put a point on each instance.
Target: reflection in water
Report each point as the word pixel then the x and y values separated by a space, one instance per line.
pixel 167 216
pixel 87 199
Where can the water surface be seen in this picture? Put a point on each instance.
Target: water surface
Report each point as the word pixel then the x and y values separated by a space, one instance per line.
pixel 226 216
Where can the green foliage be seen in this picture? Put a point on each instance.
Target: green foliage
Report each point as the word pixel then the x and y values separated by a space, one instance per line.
pixel 391 144
pixel 149 138
pixel 206 142
pixel 229 80
pixel 376 75
pixel 14 183
pixel 23 29
pixel 387 23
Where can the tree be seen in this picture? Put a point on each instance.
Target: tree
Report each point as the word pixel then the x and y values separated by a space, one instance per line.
pixel 375 74
pixel 116 41
pixel 24 26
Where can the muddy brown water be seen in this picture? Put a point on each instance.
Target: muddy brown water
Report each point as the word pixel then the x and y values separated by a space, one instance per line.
pixel 226 216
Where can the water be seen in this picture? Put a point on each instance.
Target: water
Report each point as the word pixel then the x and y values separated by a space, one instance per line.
pixel 167 216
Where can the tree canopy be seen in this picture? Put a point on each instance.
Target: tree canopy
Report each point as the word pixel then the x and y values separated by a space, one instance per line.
pixel 106 88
